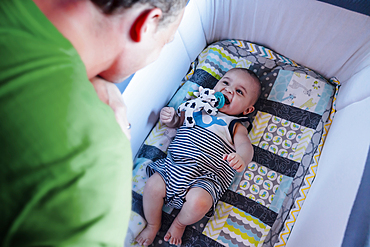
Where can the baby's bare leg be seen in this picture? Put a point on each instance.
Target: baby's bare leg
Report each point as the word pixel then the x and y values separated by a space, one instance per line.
pixel 198 202
pixel 154 192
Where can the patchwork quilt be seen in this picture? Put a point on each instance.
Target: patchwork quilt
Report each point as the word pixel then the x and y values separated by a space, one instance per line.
pixel 290 123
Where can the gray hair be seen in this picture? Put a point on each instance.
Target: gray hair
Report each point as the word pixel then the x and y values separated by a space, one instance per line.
pixel 170 8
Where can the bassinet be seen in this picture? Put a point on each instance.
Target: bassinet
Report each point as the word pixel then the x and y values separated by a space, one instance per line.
pixel 331 40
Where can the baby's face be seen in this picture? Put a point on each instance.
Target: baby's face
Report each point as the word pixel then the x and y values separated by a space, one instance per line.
pixel 239 90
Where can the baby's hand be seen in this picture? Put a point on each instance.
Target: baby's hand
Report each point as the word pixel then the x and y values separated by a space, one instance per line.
pixel 168 116
pixel 235 161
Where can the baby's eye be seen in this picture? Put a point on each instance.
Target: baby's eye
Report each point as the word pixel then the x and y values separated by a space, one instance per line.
pixel 225 83
pixel 239 91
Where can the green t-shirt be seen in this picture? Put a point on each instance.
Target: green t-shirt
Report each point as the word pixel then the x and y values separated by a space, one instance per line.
pixel 65 165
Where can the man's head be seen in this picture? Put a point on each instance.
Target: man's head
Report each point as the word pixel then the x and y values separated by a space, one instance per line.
pixel 241 88
pixel 153 24
pixel 115 38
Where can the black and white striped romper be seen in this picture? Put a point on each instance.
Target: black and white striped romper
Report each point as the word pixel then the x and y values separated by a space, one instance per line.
pixel 195 159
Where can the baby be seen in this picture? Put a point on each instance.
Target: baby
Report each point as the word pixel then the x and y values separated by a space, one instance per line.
pixel 201 160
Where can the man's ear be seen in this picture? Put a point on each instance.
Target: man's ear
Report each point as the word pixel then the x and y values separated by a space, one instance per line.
pixel 248 110
pixel 146 20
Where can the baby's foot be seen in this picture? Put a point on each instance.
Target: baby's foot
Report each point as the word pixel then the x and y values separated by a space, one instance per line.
pixel 146 237
pixel 174 234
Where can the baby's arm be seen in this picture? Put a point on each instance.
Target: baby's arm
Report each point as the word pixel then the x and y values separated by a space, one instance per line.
pixel 169 117
pixel 244 150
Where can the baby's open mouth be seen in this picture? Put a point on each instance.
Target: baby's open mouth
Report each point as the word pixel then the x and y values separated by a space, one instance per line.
pixel 227 101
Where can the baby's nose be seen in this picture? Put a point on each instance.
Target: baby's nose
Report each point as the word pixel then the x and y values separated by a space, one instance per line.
pixel 229 90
